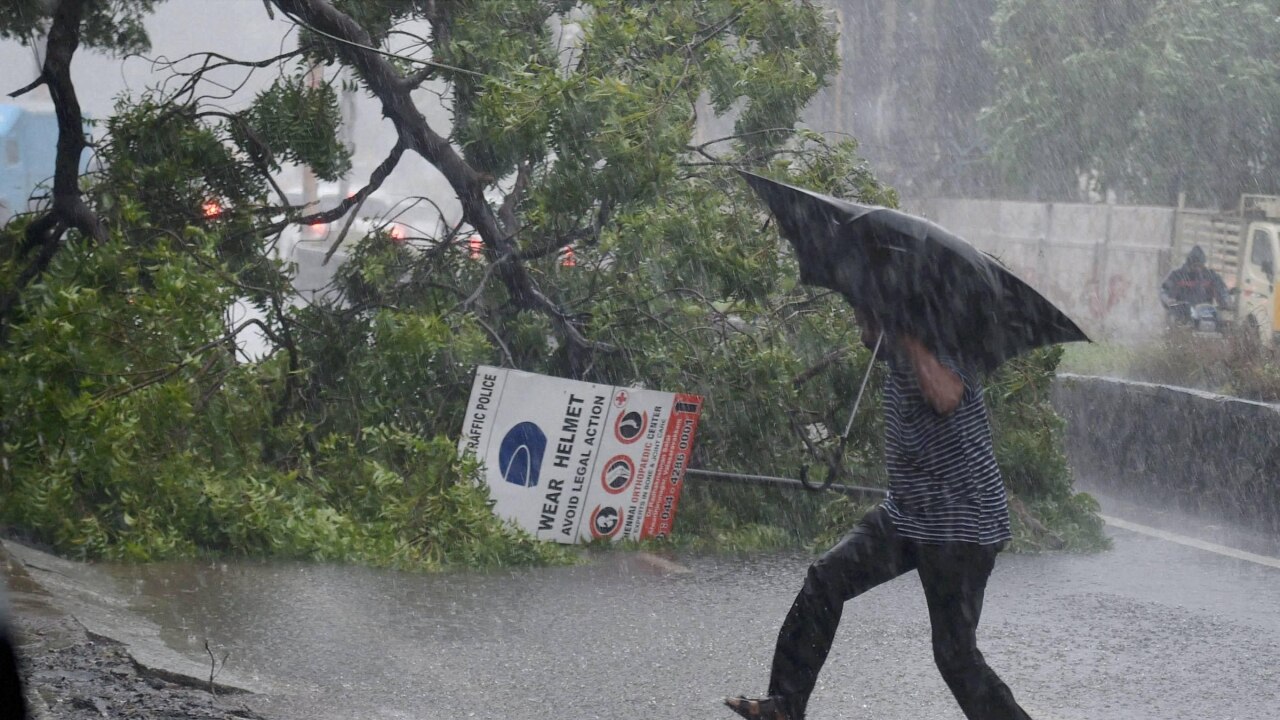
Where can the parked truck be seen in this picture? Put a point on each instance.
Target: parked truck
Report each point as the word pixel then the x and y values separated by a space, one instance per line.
pixel 1242 246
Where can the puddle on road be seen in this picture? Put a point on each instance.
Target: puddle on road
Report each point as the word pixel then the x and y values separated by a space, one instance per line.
pixel 310 630
pixel 342 642
pixel 1206 529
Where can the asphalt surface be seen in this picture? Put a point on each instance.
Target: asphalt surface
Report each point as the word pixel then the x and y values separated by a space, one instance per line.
pixel 1156 629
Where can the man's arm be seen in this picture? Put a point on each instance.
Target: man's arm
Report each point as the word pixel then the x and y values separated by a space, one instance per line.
pixel 942 388
pixel 1220 291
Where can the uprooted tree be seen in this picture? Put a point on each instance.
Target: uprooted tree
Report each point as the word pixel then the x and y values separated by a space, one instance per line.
pixel 133 427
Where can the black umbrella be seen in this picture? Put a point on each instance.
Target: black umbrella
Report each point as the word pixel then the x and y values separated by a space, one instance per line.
pixel 914 276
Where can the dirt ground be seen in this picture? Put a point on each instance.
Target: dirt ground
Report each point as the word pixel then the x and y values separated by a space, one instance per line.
pixel 71 674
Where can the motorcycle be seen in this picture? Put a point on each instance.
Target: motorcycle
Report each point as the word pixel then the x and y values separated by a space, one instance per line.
pixel 1198 317
pixel 1204 318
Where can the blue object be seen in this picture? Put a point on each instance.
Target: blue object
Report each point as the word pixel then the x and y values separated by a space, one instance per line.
pixel 520 454
pixel 28 149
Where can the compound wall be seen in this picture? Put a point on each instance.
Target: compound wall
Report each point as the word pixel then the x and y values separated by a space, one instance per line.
pixel 1102 264
pixel 1169 446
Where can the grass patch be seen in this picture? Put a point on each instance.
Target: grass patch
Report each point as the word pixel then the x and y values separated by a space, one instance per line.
pixel 1103 358
pixel 1231 365
pixel 723 518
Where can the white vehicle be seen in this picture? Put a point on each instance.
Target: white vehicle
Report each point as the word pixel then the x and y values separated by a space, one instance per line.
pixel 371 216
pixel 311 250
pixel 312 247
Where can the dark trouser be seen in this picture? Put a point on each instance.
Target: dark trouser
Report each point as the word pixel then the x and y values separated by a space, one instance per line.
pixel 954 577
pixel 13 706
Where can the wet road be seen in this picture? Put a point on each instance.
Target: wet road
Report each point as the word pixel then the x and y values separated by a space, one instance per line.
pixel 1151 630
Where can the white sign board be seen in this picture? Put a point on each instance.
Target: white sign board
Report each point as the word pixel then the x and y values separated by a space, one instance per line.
pixel 573 461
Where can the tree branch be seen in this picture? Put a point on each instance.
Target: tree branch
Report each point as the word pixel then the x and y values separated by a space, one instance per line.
pixel 161 375
pixel 64 38
pixel 68 209
pixel 40 80
pixel 711 33
pixel 355 49
pixel 376 179
pixel 738 136
pixel 554 244
pixel 466 303
pixel 827 361
pixel 507 211
pixel 213 61
pixel 342 234
pixel 1053 540
pixel 285 403
pixel 424 74
pixel 366 43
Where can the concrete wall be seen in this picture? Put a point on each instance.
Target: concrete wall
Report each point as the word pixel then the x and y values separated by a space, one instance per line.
pixel 1102 264
pixel 1161 445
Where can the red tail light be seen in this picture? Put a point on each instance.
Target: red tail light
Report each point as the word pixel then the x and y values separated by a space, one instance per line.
pixel 211 208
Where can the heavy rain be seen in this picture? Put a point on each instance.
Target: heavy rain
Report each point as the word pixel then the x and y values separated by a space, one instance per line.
pixel 774 359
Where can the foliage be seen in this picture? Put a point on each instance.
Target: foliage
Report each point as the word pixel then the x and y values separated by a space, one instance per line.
pixel 1028 433
pixel 1028 446
pixel 295 123
pixel 1148 99
pixel 136 428
pixel 128 435
pixel 115 27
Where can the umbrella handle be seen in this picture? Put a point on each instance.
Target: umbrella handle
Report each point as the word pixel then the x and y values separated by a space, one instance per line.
pixel 833 465
pixel 834 470
pixel 804 478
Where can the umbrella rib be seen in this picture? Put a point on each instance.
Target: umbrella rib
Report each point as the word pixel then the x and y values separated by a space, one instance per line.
pixel 865 378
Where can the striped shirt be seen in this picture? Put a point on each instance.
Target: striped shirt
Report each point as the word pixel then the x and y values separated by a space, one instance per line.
pixel 944 485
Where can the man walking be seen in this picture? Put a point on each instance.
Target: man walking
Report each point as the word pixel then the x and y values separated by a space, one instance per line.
pixel 946 516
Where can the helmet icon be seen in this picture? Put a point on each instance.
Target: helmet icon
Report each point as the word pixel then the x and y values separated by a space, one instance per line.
pixel 631 425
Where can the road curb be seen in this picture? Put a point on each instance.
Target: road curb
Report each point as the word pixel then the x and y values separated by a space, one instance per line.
pixel 47 583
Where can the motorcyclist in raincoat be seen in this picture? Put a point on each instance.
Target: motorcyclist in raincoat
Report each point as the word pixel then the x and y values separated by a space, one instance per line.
pixel 1193 284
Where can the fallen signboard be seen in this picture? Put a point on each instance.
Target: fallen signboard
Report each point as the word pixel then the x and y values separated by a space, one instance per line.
pixel 574 461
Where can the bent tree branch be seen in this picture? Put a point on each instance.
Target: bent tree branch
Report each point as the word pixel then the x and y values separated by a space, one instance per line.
pixel 68 210
pixel 393 90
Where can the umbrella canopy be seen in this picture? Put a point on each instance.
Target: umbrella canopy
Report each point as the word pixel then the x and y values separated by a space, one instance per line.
pixel 914 276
